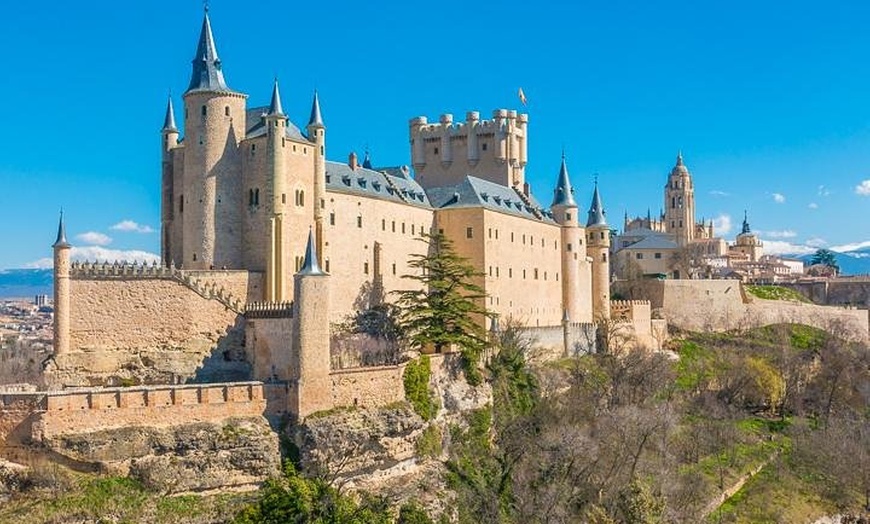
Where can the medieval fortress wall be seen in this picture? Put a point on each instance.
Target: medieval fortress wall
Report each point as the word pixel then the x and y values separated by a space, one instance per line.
pixel 721 305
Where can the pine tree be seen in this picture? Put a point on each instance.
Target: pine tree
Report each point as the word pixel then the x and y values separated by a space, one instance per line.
pixel 825 257
pixel 447 308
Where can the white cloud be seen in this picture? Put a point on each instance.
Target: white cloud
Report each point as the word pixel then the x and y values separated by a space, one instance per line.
pixel 816 242
pixel 779 198
pixel 718 193
pixel 823 191
pixel 94 238
pixel 129 226
pixel 785 233
pixel 813 205
pixel 722 224
pixel 851 247
pixel 99 254
pixel 863 188
pixel 781 247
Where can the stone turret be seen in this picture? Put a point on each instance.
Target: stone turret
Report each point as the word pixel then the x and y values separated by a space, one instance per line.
pixel 313 388
pixel 169 141
pixel 680 204
pixel 564 210
pixel 598 248
pixel 317 135
pixel 276 130
pixel 214 123
pixel 61 290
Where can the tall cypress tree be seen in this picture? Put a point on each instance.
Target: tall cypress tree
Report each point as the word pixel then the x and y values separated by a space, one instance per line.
pixel 448 306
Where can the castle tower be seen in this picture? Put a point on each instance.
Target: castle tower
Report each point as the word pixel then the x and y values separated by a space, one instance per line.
pixel 214 123
pixel 317 134
pixel 748 242
pixel 495 150
pixel 680 204
pixel 598 248
pixel 564 210
pixel 311 337
pixel 169 141
pixel 61 290
pixel 276 131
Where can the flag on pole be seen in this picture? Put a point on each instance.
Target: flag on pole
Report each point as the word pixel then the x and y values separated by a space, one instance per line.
pixel 522 96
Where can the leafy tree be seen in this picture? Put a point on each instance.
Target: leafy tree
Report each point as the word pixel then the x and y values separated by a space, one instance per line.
pixel 293 498
pixel 825 257
pixel 447 307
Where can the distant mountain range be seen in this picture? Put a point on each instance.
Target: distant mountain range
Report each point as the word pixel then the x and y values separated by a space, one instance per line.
pixel 27 283
pixel 855 262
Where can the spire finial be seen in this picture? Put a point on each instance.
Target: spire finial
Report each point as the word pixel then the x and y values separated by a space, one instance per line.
pixel 563 195
pixel 680 157
pixel 316 118
pixel 169 119
pixel 61 242
pixel 275 108
pixel 310 266
pixel 745 223
pixel 205 6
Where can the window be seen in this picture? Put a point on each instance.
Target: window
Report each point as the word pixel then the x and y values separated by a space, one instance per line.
pixel 332 218
pixel 658 255
pixel 469 232
pixel 359 222
pixel 366 268
pixel 524 274
pixel 256 197
pixel 681 223
pixel 496 234
pixel 412 229
pixel 483 146
pixel 536 273
pixel 512 236
pixel 496 271
pixel 569 247
pixel 194 257
pixel 436 150
pixel 604 257
pixel 326 264
pixel 638 256
pixel 227 111
pixel 283 198
pixel 489 233
pixel 524 239
pixel 510 272
pixel 253 148
pixel 602 235
pixel 250 197
pixel 394 268
pixel 204 110
pixel 490 270
pixel 383 224
pixel 568 216
pixel 403 228
pixel 394 226
pixel 181 204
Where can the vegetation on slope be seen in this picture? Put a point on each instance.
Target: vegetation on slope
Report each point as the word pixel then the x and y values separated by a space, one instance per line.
pixel 776 293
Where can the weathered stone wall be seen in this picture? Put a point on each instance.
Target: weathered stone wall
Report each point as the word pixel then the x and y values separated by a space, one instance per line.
pixel 368 387
pixel 152 330
pixel 15 409
pixel 268 343
pixel 854 291
pixel 719 305
pixel 154 406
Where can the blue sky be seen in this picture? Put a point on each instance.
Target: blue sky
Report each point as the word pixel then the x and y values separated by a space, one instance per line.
pixel 767 100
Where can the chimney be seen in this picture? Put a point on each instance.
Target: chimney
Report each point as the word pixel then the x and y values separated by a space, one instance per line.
pixel 351 161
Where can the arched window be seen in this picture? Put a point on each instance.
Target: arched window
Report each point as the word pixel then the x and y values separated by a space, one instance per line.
pixel 227 111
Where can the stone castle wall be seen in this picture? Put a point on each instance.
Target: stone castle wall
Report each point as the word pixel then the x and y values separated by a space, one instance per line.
pixel 368 387
pixel 721 305
pixel 854 291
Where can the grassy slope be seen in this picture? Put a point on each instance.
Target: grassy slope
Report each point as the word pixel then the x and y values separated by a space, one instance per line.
pixel 776 293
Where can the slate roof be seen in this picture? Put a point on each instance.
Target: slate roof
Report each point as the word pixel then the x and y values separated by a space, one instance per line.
pixel 207 74
pixel 476 192
pixel 596 210
pixel 374 184
pixel 256 124
pixel 564 193
pixel 654 242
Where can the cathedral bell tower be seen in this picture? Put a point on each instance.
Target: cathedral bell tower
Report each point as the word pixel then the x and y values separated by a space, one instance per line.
pixel 680 204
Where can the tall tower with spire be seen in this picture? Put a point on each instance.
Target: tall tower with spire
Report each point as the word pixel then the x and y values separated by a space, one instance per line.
pixel 169 141
pixel 61 290
pixel 575 270
pixel 214 123
pixel 317 134
pixel 680 204
pixel 276 129
pixel 598 248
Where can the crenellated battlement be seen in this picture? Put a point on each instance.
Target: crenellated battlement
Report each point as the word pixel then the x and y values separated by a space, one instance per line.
pixel 269 310
pixel 444 152
pixel 124 270
pixel 628 303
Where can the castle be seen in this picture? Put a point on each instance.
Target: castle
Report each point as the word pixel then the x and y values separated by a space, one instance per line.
pixel 265 243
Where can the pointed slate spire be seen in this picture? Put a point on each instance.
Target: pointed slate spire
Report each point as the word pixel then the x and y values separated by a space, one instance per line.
pixel 61 234
pixel 310 267
pixel 367 161
pixel 563 195
pixel 316 119
pixel 275 108
pixel 745 223
pixel 169 120
pixel 596 210
pixel 207 74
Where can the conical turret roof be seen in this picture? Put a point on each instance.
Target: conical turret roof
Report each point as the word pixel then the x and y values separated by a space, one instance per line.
pixel 169 119
pixel 316 118
pixel 597 216
pixel 563 195
pixel 275 108
pixel 207 74
pixel 61 242
pixel 310 266
pixel 367 160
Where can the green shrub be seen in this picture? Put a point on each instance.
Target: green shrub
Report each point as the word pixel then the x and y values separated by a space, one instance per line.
pixel 429 442
pixel 416 380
